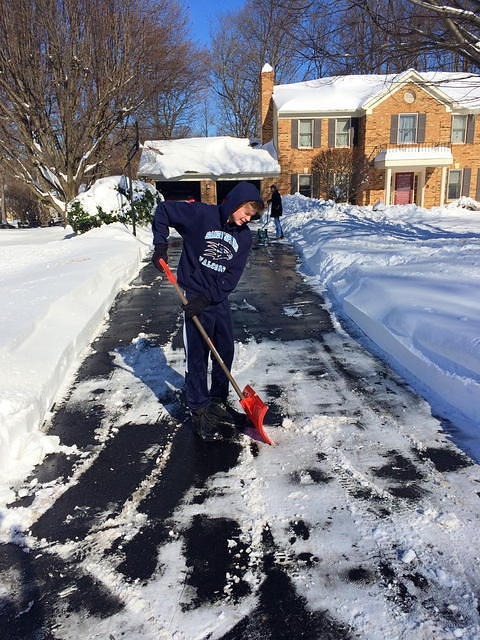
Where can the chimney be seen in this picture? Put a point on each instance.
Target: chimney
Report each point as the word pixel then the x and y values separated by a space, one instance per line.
pixel 266 103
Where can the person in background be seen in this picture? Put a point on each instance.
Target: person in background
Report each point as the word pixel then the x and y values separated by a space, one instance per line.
pixel 276 209
pixel 216 244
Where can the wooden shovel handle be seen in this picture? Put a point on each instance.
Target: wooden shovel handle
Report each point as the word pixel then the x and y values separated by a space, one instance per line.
pixel 171 277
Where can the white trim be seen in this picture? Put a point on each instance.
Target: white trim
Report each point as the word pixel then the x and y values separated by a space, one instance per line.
pixel 224 177
pixel 465 117
pixel 408 113
pixel 312 125
pixel 426 157
pixel 447 199
pixel 443 183
pixel 344 146
pixel 410 76
pixel 315 113
pixel 388 186
pixel 421 186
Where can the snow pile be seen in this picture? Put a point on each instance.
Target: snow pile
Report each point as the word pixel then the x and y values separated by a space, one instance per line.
pixel 109 194
pixel 56 290
pixel 408 277
pixel 217 156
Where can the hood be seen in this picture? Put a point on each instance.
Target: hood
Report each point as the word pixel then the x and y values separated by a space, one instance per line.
pixel 242 192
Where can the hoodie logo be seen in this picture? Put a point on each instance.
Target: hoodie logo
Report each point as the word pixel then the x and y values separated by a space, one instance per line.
pixel 221 246
pixel 217 251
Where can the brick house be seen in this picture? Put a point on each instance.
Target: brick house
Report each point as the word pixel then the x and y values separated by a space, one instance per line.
pixel 415 132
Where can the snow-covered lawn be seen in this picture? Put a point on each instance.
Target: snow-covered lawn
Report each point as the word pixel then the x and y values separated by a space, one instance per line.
pixel 56 290
pixel 409 278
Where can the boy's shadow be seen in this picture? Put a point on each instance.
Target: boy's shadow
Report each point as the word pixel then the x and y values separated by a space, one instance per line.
pixel 21 611
pixel 144 359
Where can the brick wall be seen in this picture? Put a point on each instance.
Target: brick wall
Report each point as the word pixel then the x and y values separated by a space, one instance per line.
pixel 208 191
pixel 374 131
pixel 266 106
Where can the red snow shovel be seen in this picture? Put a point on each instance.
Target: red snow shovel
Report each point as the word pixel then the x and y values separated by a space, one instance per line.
pixel 252 404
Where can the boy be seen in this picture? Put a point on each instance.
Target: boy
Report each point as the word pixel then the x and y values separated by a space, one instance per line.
pixel 216 243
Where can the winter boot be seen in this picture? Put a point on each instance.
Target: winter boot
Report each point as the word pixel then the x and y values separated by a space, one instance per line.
pixel 205 424
pixel 226 414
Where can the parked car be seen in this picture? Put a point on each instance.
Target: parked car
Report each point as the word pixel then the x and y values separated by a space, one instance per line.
pixel 56 222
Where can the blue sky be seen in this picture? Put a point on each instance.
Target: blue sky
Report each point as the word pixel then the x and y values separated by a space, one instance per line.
pixel 202 14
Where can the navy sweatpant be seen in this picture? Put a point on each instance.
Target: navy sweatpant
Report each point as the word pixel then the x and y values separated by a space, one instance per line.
pixel 217 322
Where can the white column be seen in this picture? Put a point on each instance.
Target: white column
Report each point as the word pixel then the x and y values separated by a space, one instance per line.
pixel 388 180
pixel 421 186
pixel 443 185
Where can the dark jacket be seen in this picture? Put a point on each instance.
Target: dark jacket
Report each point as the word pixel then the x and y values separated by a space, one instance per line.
pixel 277 208
pixel 214 252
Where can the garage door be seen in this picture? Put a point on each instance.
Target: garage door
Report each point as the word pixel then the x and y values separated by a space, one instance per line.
pixel 225 186
pixel 181 190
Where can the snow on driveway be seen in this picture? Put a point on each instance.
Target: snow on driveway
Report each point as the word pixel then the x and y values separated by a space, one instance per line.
pixel 361 522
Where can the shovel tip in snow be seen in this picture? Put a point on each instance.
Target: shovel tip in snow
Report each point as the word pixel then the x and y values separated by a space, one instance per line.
pixel 255 409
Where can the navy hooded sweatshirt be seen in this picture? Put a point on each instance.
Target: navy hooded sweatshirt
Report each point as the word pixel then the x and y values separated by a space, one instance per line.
pixel 214 252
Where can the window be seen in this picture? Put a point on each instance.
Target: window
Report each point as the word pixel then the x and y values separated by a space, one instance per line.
pixel 407 128
pixel 305 184
pixel 459 128
pixel 454 186
pixel 305 134
pixel 342 132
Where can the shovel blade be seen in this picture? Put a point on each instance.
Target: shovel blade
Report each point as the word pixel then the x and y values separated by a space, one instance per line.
pixel 255 409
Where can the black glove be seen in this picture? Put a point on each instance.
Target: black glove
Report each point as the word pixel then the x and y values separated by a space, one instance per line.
pixel 161 251
pixel 195 306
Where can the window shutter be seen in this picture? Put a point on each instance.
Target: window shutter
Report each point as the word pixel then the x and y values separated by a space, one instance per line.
pixel 422 118
pixel 467 174
pixel 394 129
pixel 294 134
pixel 317 132
pixel 294 183
pixel 331 132
pixel 354 132
pixel 477 195
pixel 470 128
pixel 316 185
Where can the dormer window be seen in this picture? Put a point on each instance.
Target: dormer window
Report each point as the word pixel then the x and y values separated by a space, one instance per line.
pixel 305 134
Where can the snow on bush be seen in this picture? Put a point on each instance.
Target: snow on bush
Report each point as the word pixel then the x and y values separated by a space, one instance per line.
pixel 106 201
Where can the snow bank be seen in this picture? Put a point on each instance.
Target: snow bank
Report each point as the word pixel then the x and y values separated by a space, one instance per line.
pixel 56 290
pixel 408 277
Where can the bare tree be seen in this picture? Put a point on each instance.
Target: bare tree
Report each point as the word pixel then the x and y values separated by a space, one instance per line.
pixel 339 174
pixel 172 103
pixel 175 79
pixel 243 41
pixel 71 73
pixel 436 34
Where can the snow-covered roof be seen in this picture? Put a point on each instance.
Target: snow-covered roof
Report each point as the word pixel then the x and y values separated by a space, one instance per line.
pixel 357 92
pixel 215 157
pixel 414 156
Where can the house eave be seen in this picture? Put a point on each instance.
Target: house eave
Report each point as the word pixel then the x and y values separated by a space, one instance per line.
pixel 399 163
pixel 337 113
pixel 204 176
pixel 415 78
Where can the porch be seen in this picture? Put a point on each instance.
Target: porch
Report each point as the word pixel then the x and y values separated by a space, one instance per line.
pixel 408 168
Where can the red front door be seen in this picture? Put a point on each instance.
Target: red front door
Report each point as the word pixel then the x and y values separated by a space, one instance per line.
pixel 403 188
